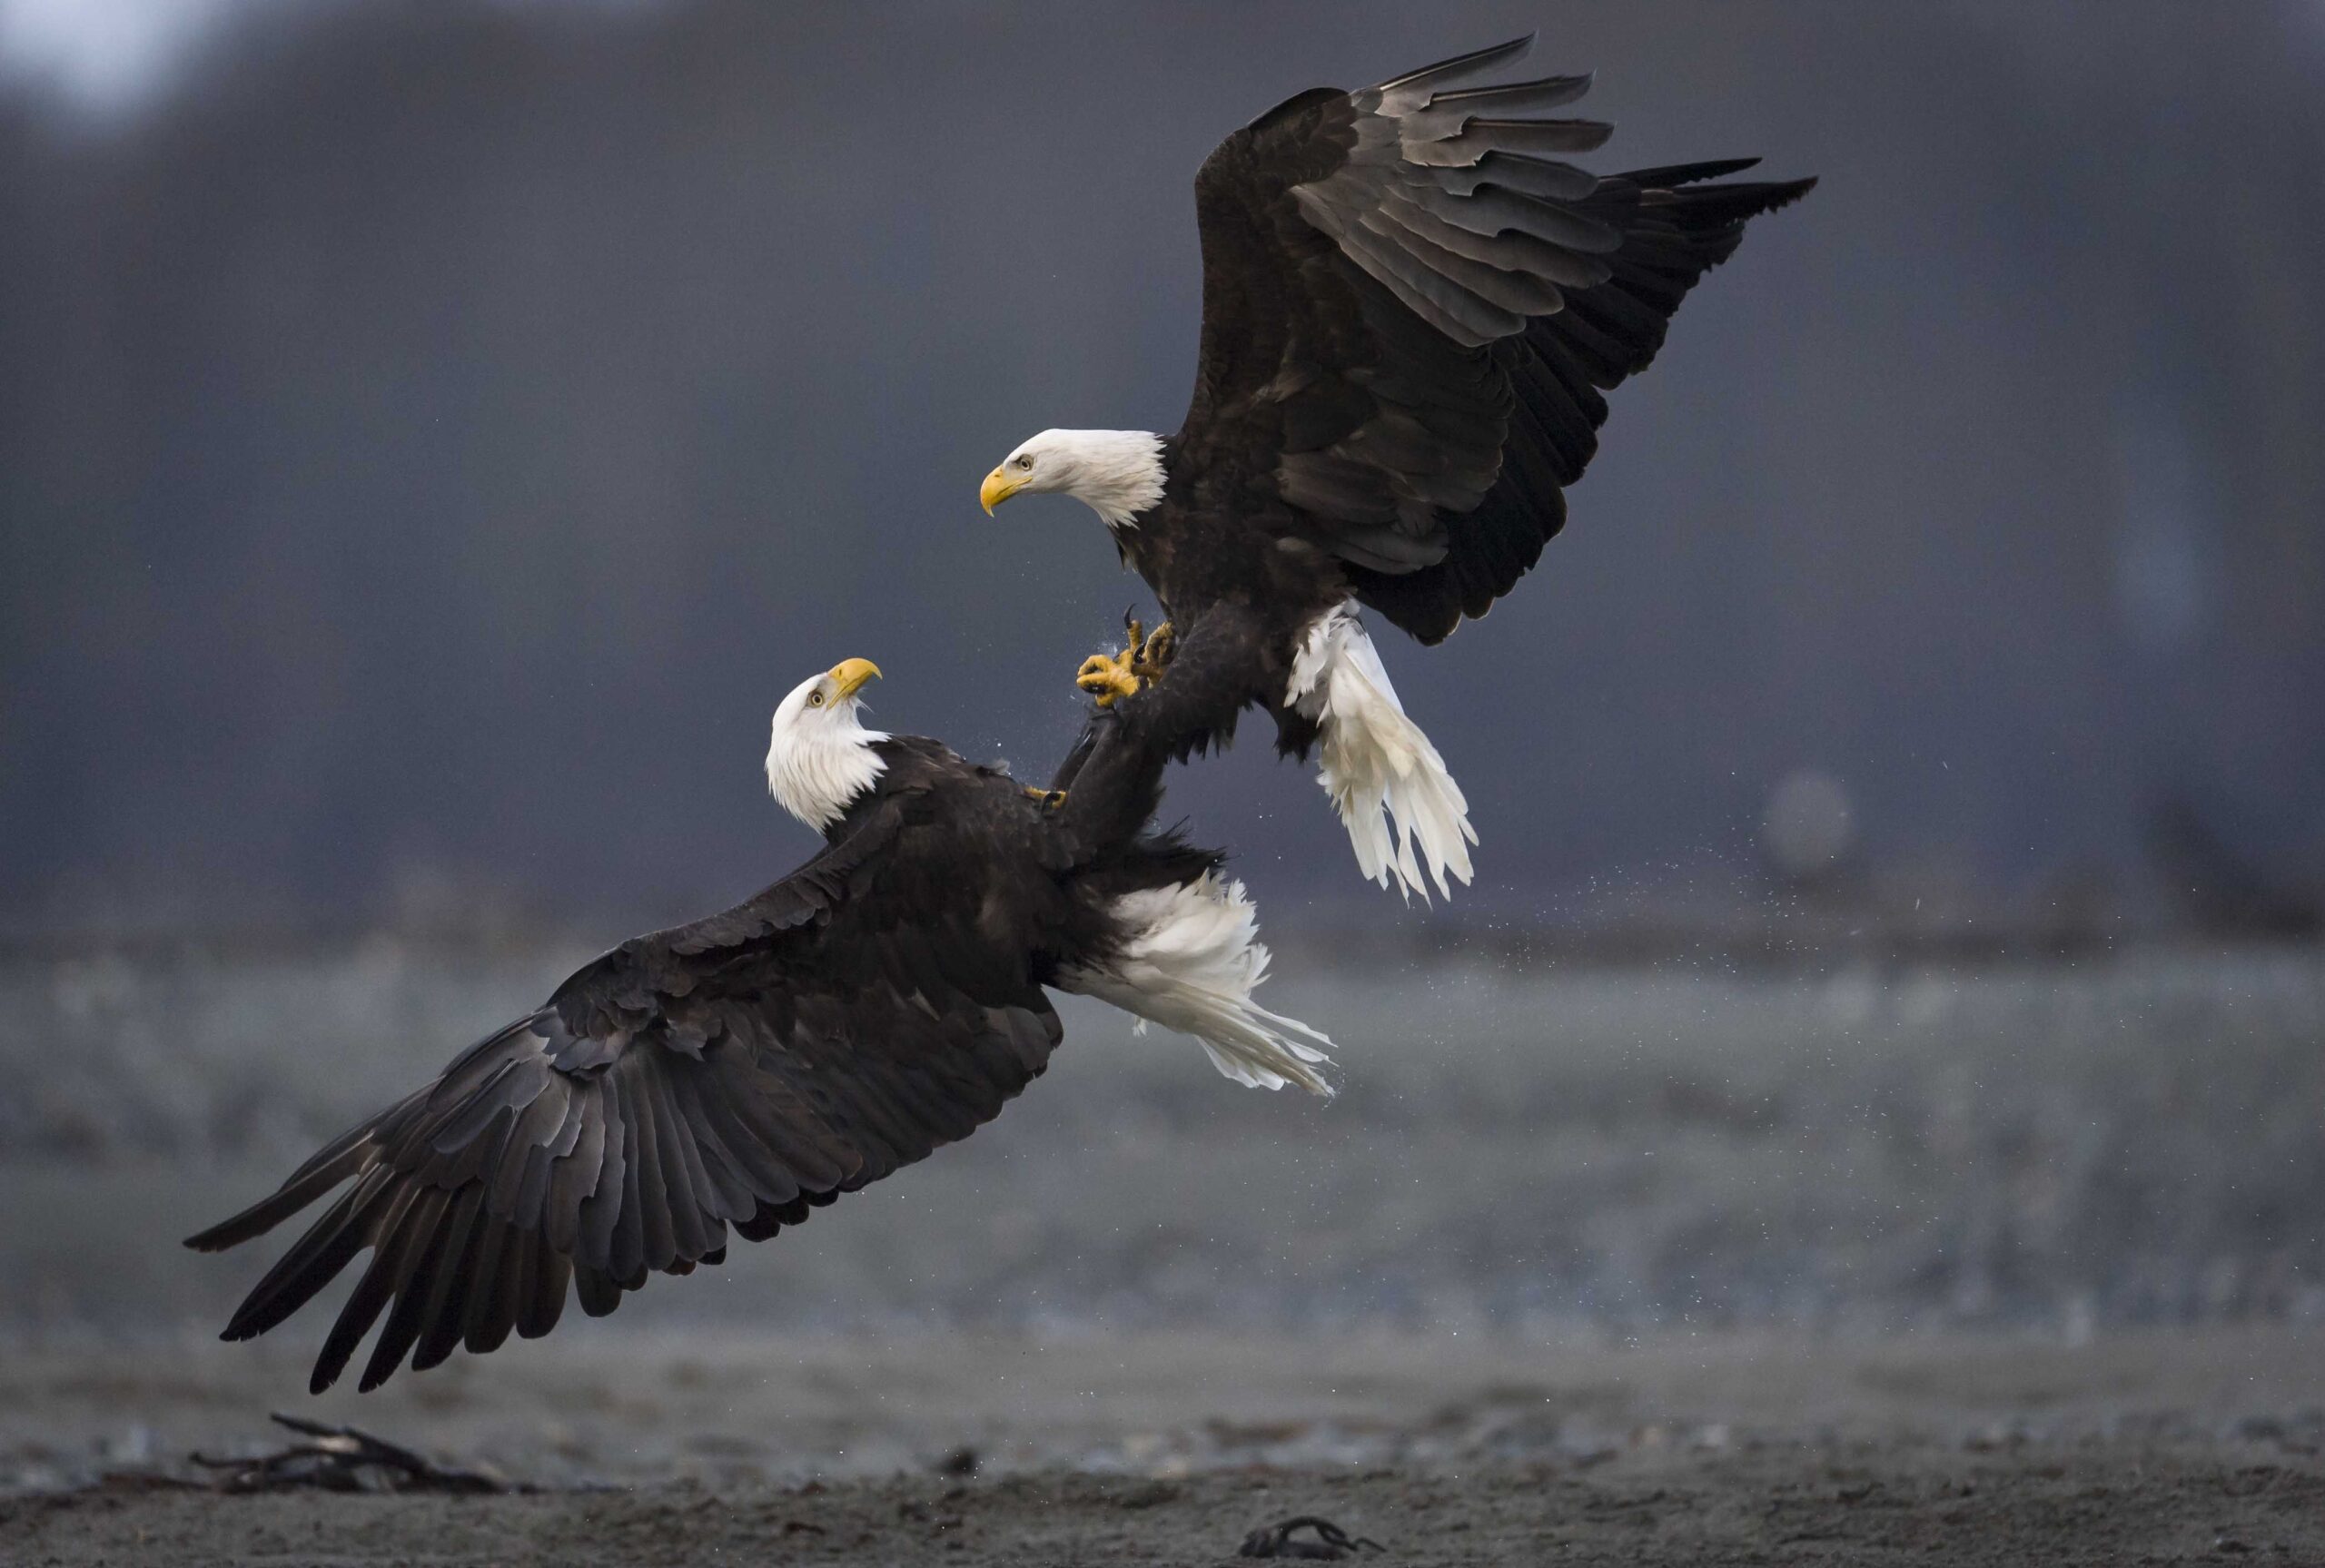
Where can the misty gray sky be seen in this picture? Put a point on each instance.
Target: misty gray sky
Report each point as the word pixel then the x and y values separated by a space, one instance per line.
pixel 109 54
pixel 436 432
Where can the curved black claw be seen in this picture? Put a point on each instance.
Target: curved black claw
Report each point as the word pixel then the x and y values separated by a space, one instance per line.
pixel 1052 798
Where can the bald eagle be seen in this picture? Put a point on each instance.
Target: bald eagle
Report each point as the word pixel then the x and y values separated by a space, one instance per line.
pixel 882 999
pixel 1411 303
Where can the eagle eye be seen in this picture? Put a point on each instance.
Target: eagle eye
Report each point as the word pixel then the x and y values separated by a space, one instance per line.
pixel 1025 462
pixel 814 699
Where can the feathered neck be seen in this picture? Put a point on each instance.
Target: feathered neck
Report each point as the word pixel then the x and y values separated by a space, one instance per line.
pixel 1117 474
pixel 818 763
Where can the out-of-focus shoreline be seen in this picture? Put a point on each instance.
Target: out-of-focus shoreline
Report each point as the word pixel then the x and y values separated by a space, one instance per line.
pixel 1778 936
pixel 2072 1147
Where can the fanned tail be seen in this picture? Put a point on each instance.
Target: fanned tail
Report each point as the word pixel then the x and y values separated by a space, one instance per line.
pixel 1191 962
pixel 1401 807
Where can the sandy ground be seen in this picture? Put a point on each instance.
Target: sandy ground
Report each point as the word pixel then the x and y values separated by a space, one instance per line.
pixel 1670 1264
pixel 2119 1503
pixel 2150 1447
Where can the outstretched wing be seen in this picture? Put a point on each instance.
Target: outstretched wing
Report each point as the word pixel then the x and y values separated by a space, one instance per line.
pixel 1411 301
pixel 736 1073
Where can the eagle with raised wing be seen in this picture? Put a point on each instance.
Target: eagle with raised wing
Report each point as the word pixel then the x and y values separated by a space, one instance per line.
pixel 1413 302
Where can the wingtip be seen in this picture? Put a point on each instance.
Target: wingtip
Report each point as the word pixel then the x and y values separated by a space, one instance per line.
pixel 1463 65
pixel 1777 194
pixel 1494 53
pixel 1783 194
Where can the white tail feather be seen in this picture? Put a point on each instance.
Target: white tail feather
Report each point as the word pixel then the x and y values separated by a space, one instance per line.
pixel 1386 780
pixel 1191 963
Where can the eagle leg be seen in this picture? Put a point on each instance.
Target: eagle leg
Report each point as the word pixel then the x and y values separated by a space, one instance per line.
pixel 1154 655
pixel 1052 798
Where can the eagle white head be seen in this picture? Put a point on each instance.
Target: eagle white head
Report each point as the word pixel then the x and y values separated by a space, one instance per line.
pixel 819 758
pixel 1118 474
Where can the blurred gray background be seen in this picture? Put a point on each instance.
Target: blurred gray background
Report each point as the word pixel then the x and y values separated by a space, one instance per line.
pixel 432 435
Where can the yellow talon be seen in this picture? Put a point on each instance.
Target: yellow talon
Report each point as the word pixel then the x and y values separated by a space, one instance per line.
pixel 1107 676
pixel 1052 798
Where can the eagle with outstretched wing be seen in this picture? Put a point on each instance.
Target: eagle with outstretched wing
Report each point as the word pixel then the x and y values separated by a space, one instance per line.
pixel 1413 301
pixel 730 1077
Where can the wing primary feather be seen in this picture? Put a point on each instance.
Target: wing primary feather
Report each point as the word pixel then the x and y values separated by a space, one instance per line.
pixel 536 1123
pixel 598 1293
pixel 1548 178
pixel 723 1169
pixel 1453 70
pixel 600 1227
pixel 313 1261
pixel 1541 92
pixel 1497 208
pixel 390 1241
pixel 309 1182
pixel 447 1298
pixel 1517 294
pixel 577 1174
pixel 483 1286
pixel 1446 114
pixel 626 1256
pixel 1481 136
pixel 659 1245
pixel 686 1238
pixel 493 1302
pixel 1671 174
pixel 1449 307
pixel 538 1312
pixel 521 1281
pixel 424 1239
pixel 751 1139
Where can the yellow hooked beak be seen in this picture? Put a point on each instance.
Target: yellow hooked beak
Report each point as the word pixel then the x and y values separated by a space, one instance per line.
pixel 998 487
pixel 850 673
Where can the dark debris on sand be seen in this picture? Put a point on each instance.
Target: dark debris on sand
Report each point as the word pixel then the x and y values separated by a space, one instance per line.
pixel 347 1459
pixel 1325 1542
